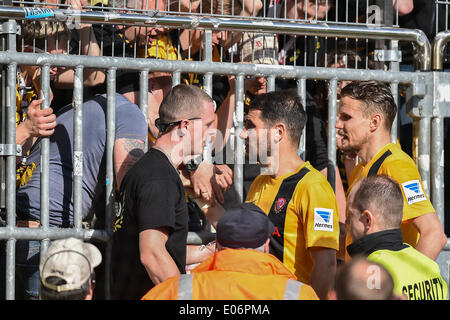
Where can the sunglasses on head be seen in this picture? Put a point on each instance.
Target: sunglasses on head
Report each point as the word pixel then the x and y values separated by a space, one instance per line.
pixel 162 127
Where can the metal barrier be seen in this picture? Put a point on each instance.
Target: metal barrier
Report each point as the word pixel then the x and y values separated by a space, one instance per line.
pixel 421 98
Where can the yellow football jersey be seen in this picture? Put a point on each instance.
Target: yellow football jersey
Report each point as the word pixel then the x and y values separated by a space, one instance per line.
pixel 392 161
pixel 310 217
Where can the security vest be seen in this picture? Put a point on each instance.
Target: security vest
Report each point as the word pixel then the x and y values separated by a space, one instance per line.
pixel 415 275
pixel 235 274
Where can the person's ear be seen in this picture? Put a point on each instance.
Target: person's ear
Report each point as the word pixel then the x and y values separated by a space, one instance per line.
pixel 376 122
pixel 280 131
pixel 183 128
pixel 368 219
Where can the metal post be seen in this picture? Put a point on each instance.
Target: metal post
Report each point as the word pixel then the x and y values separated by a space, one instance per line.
pixel 78 147
pixel 10 173
pixel 207 80
pixel 437 152
pixel 270 83
pixel 301 89
pixel 332 114
pixel 176 78
pixel 143 99
pixel 11 180
pixel 110 138
pixel 208 87
pixel 395 126
pixel 45 160
pixel 424 151
pixel 239 152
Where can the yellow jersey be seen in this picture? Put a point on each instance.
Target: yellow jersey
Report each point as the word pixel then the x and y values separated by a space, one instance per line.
pixel 305 217
pixel 392 161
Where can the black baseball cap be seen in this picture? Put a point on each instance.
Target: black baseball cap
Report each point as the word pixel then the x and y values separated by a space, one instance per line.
pixel 244 226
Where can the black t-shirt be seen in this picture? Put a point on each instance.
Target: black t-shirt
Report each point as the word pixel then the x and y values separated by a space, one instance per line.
pixel 151 196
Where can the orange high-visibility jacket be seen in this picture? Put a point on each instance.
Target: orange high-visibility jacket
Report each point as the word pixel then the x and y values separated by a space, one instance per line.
pixel 235 274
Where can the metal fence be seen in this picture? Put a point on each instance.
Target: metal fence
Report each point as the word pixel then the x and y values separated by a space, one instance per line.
pixel 426 100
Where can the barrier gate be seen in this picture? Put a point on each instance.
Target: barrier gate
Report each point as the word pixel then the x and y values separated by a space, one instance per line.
pixel 428 98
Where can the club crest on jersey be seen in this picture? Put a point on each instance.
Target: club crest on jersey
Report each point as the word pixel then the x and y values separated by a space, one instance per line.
pixel 279 204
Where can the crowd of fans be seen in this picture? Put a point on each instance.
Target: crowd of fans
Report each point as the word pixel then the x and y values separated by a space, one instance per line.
pixel 293 238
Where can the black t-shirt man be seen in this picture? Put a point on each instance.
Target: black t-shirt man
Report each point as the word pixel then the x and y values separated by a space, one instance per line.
pixel 151 196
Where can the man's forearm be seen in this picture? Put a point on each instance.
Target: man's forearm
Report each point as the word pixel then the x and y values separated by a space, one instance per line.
pixel 160 267
pixel 324 270
pixel 430 245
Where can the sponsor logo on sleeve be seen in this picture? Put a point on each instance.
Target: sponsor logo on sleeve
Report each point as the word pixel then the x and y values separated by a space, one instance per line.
pixel 323 219
pixel 413 191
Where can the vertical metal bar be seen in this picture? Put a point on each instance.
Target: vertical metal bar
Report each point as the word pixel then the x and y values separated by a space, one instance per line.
pixel 45 160
pixel 78 147
pixel 394 132
pixel 332 114
pixel 207 80
pixel 270 83
pixel 437 166
pixel 11 180
pixel 176 78
pixel 10 173
pixel 437 154
pixel 395 67
pixel 239 154
pixel 143 99
pixel 109 179
pixel 301 89
pixel 207 86
pixel 3 97
pixel 424 151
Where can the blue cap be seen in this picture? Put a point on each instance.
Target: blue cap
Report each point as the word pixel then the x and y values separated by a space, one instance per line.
pixel 244 226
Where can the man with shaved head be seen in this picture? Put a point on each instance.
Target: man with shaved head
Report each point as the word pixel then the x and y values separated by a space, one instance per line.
pixel 150 231
pixel 374 208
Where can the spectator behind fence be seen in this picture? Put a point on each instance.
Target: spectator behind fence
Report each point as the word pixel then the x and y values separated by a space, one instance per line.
pixel 151 229
pixel 366 112
pixel 80 40
pixel 131 131
pixel 375 207
pixel 67 270
pixel 241 268
pixel 361 279
pixel 134 40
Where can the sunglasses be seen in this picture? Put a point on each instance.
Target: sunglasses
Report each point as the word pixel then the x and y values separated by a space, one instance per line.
pixel 162 127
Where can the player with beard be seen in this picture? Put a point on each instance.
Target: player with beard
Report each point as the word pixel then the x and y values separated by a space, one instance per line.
pixel 297 198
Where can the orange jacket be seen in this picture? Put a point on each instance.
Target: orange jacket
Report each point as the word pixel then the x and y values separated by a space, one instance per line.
pixel 235 274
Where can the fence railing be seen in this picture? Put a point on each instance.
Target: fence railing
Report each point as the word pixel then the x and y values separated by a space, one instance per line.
pixel 423 102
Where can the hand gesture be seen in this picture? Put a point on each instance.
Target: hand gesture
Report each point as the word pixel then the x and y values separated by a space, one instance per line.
pixel 39 123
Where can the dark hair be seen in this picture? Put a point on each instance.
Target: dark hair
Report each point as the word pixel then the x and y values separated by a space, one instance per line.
pixel 352 284
pixel 76 294
pixel 282 106
pixel 183 100
pixel 376 97
pixel 384 196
